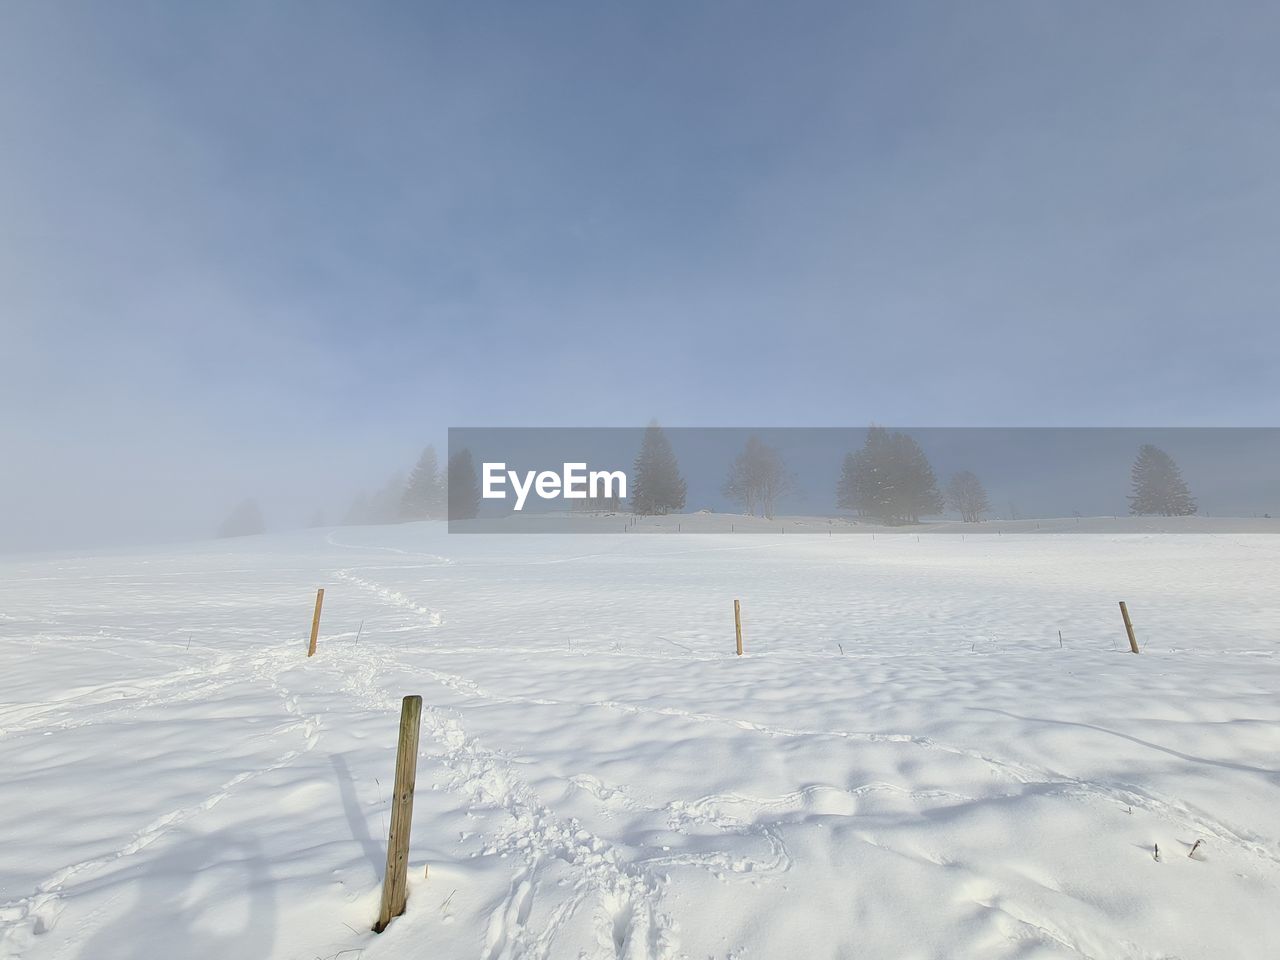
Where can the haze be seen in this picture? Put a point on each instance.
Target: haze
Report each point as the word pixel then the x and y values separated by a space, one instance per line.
pixel 272 251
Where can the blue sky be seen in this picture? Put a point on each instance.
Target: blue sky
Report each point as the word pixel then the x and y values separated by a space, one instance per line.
pixel 271 250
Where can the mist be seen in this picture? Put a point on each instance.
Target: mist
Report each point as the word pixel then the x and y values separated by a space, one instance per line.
pixel 272 253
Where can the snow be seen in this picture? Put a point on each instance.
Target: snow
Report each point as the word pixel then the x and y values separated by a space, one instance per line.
pixel 906 763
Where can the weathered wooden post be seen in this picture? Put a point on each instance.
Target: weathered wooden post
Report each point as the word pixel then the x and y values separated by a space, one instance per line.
pixel 394 891
pixel 737 623
pixel 315 623
pixel 1128 626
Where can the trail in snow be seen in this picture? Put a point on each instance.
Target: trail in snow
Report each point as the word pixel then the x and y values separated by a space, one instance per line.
pixel 629 923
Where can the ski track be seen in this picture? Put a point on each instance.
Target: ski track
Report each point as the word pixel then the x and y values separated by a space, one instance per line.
pixel 386 595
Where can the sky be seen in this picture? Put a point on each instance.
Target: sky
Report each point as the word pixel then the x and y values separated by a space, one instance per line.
pixel 272 250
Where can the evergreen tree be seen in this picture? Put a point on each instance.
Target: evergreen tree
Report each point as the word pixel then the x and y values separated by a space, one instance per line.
pixel 919 494
pixel 317 519
pixel 423 498
pixel 758 478
pixel 244 521
pixel 463 486
pixel 1158 487
pixel 864 482
pixel 656 485
pixel 889 479
pixel 967 496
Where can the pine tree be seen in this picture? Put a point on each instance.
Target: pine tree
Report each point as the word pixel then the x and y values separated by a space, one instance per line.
pixel 244 521
pixel 967 496
pixel 423 498
pixel 889 479
pixel 864 482
pixel 462 486
pixel 1158 487
pixel 656 485
pixel 919 489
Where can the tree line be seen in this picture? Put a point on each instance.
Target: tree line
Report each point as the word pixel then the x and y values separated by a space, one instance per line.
pixel 888 479
pixel 432 494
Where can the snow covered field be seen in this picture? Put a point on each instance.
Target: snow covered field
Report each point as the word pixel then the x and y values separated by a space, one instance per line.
pixel 907 763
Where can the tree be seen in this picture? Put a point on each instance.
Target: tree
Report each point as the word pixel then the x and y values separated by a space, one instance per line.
pixel 1158 487
pixel 889 479
pixel 423 497
pixel 463 486
pixel 864 478
pixel 757 478
pixel 244 521
pixel 966 495
pixel 317 519
pixel 656 485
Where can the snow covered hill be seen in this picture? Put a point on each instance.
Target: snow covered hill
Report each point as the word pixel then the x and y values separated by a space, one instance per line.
pixel 907 763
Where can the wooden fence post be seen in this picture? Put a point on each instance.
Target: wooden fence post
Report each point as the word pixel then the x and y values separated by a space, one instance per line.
pixel 1128 626
pixel 394 893
pixel 737 623
pixel 315 623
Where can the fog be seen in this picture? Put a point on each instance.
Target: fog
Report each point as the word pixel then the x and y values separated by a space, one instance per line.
pixel 272 253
